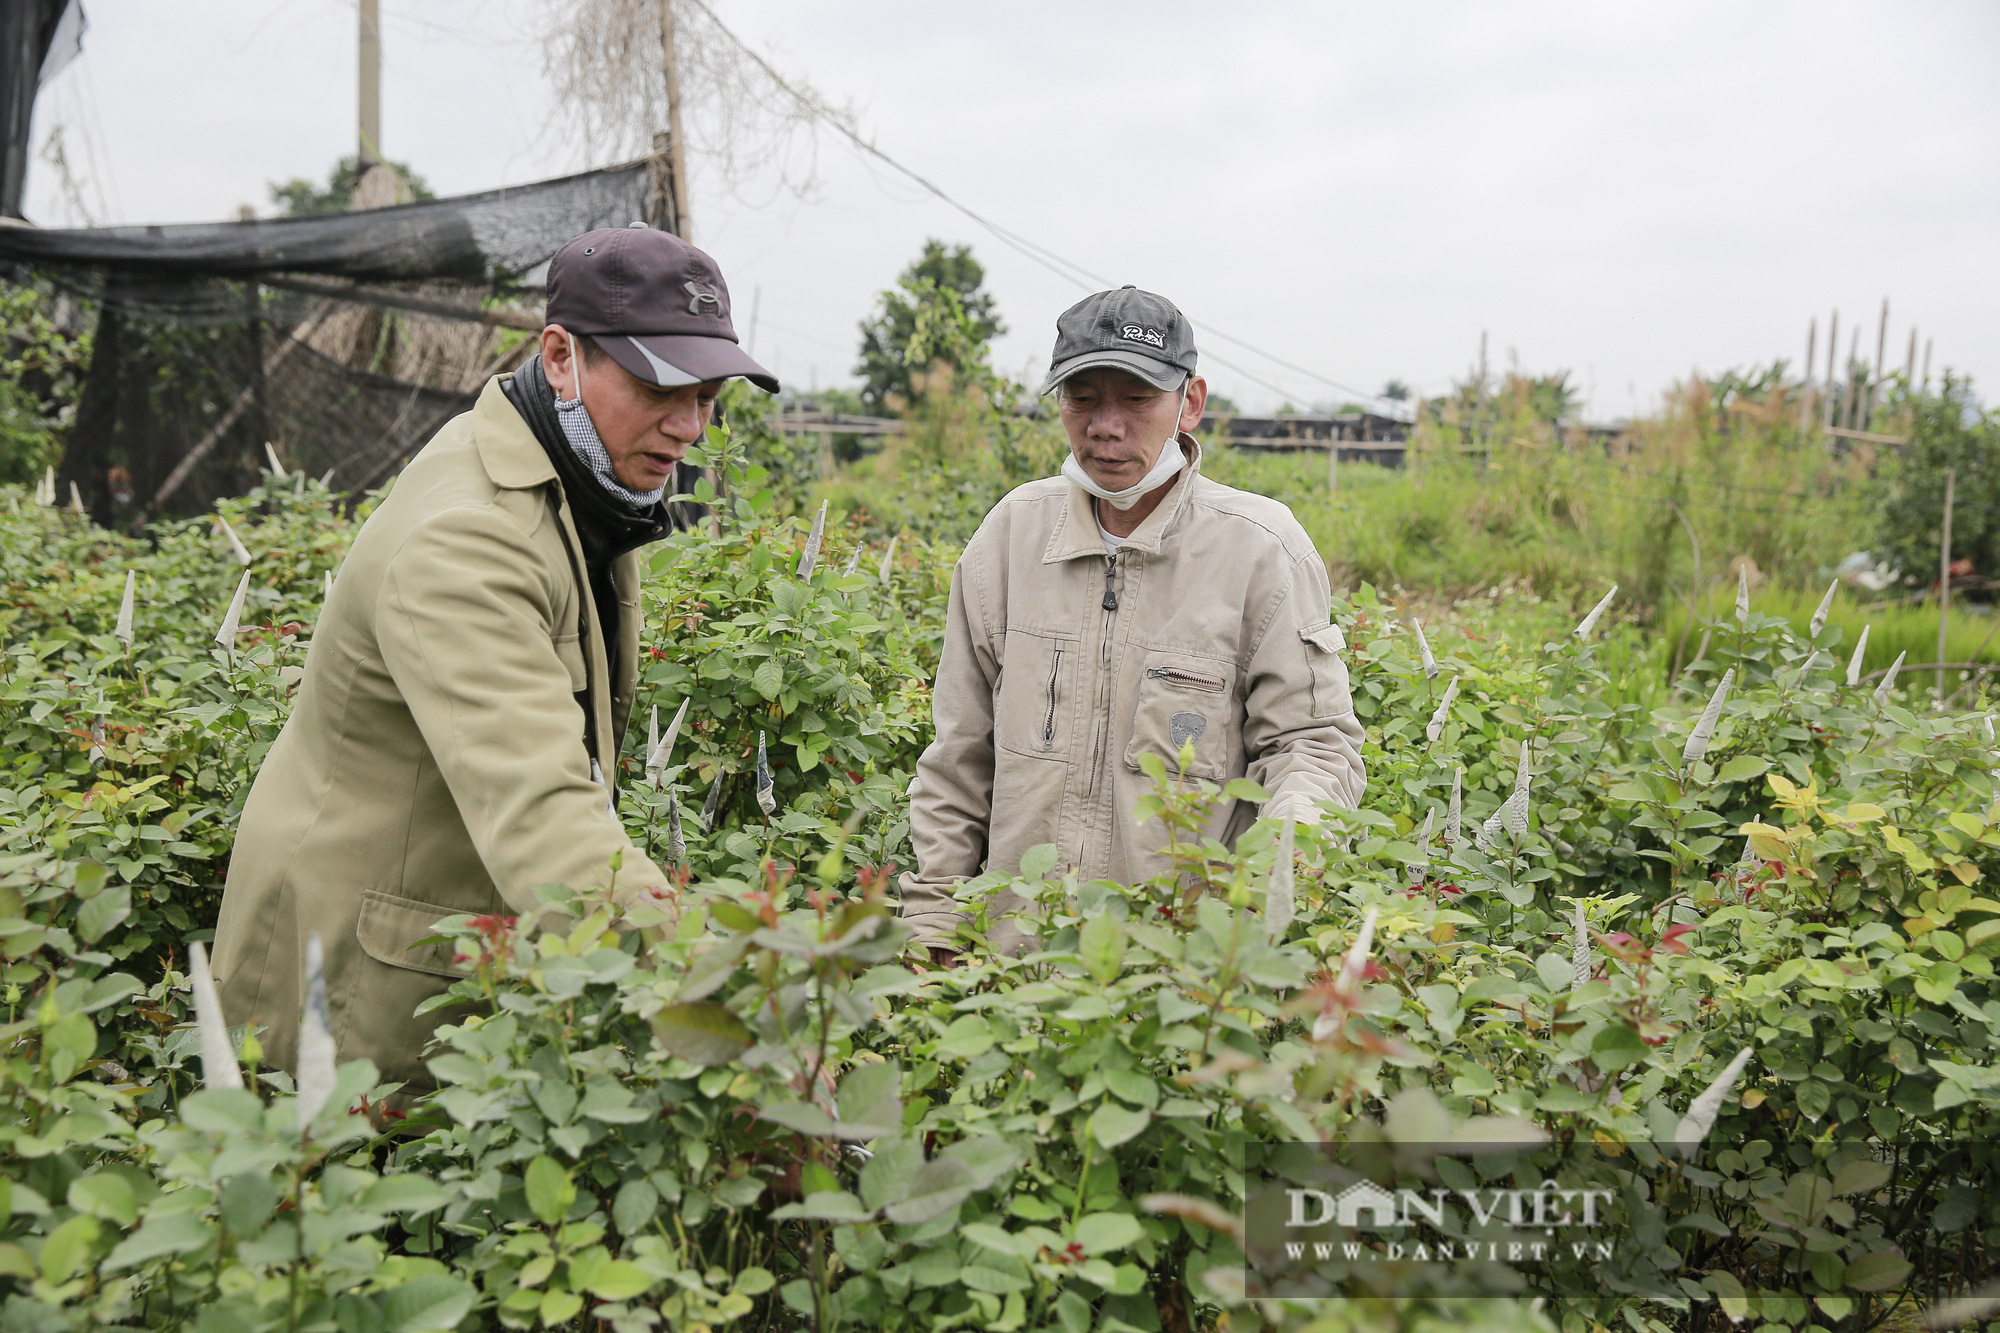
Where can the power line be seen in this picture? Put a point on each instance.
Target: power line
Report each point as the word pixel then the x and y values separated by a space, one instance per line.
pixel 1067 269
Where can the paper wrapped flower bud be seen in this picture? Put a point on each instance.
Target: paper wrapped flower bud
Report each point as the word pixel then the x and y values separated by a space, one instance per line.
pixel 1704 730
pixel 1742 593
pixel 225 637
pixel 1579 947
pixel 123 630
pixel 810 556
pixel 1280 904
pixel 1860 651
pixel 1439 715
pixel 888 559
pixel 767 799
pixel 1889 680
pixel 1451 813
pixel 316 1049
pixel 1424 650
pixel 1825 605
pixel 218 1059
pixel 1589 622
pixel 236 547
pixel 1701 1113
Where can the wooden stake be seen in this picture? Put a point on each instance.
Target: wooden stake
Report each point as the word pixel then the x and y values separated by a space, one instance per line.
pixel 1333 467
pixel 1910 363
pixel 1944 579
pixel 1832 351
pixel 1927 364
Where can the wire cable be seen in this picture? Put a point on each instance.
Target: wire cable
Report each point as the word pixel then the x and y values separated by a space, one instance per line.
pixel 1067 269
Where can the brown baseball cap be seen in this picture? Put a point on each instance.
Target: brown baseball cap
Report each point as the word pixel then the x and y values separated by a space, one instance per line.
pixel 654 303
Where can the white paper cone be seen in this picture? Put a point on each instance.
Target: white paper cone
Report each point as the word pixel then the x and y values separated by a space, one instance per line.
pixel 123 630
pixel 316 1049
pixel 218 1059
pixel 225 637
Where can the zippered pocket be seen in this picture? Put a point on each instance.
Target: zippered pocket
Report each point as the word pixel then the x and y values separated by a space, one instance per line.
pixel 1034 709
pixel 1188 680
pixel 1182 698
pixel 1049 717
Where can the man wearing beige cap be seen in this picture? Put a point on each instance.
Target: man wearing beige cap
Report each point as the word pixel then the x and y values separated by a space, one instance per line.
pixel 454 743
pixel 1127 607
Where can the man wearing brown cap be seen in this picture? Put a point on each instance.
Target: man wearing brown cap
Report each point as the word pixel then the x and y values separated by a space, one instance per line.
pixel 1129 607
pixel 453 747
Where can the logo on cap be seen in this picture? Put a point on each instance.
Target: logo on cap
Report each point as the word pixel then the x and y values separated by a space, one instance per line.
pixel 702 291
pixel 1139 333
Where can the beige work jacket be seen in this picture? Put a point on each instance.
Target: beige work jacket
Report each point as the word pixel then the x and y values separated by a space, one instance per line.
pixel 435 760
pixel 1046 695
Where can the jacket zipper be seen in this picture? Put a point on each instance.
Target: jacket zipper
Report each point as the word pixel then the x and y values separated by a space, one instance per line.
pixel 1049 723
pixel 1110 605
pixel 1192 680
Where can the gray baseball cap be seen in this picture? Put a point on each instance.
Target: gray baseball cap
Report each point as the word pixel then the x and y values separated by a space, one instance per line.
pixel 1126 329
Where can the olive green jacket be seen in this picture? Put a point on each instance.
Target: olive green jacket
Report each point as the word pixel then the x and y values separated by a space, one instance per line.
pixel 435 760
pixel 1063 666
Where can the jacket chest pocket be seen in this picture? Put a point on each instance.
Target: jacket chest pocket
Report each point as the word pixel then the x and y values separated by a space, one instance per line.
pixel 1035 709
pixel 1323 645
pixel 1183 699
pixel 569 647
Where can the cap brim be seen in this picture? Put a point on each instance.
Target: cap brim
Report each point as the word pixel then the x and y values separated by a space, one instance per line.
pixel 1156 373
pixel 673 359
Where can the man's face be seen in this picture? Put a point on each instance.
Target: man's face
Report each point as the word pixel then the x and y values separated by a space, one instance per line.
pixel 1118 424
pixel 645 428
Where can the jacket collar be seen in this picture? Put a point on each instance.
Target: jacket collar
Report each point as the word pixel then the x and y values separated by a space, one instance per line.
pixel 511 454
pixel 1076 534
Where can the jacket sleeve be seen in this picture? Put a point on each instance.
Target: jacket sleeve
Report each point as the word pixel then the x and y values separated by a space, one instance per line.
pixel 465 621
pixel 1299 731
pixel 952 796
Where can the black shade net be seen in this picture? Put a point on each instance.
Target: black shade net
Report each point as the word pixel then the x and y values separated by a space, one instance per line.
pixel 214 339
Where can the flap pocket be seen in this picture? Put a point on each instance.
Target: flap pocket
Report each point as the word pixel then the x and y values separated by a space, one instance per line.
pixel 569 647
pixel 390 925
pixel 1325 637
pixel 1329 674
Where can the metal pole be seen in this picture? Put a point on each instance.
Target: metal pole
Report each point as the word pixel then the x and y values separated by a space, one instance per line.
pixel 371 83
pixel 1944 578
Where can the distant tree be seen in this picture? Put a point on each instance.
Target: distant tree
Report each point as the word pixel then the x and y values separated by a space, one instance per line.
pixel 1222 405
pixel 1948 432
pixel 299 195
pixel 941 276
pixel 1396 391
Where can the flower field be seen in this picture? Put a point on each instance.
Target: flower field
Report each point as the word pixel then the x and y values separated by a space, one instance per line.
pixel 1750 913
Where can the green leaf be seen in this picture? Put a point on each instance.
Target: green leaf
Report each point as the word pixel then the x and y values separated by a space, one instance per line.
pixel 619 1280
pixel 1101 946
pixel 104 1195
pixel 68 1247
pixel 1112 1125
pixel 426 1303
pixel 870 1101
pixel 768 679
pixel 409 1192
pixel 937 1188
pixel 967 1037
pixel 1130 1086
pixel 1742 767
pixel 107 909
pixel 173 1233
pixel 701 1033
pixel 1038 861
pixel 801 1116
pixel 550 1190
pixel 1102 1233
pixel 1862 1177
pixel 637 1204
pixel 1617 1047
pixel 888 1175
pixel 1877 1272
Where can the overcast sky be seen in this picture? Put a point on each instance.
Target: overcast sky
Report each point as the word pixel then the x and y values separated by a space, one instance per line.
pixel 1629 191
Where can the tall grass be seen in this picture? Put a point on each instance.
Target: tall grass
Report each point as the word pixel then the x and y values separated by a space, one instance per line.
pixel 1893 628
pixel 1725 474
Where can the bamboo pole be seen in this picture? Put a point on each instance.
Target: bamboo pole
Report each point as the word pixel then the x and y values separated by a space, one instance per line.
pixel 1927 364
pixel 1832 351
pixel 1944 578
pixel 1333 467
pixel 1806 388
pixel 370 89
pixel 676 141
pixel 1875 373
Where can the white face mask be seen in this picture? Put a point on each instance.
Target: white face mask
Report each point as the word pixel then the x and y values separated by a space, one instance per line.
pixel 1164 470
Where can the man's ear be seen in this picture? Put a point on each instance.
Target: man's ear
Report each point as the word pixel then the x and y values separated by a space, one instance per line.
pixel 1197 403
pixel 556 361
